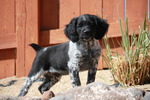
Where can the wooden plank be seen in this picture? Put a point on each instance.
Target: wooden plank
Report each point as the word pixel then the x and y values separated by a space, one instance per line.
pixel 114 29
pixel 27 32
pixel 113 10
pixel 32 31
pixel 68 9
pixel 7 63
pixel 49 14
pixel 20 31
pixel 50 37
pixel 91 7
pixel 7 38
pixel 7 16
pixel 136 10
pixel 8 41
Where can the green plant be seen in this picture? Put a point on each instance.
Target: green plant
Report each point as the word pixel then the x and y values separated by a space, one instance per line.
pixel 133 67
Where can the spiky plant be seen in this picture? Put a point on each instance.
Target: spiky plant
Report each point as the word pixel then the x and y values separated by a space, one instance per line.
pixel 133 67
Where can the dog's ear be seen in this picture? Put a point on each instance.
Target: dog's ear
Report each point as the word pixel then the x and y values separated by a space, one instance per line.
pixel 71 30
pixel 101 27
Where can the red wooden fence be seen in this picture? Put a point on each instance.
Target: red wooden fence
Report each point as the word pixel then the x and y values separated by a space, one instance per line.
pixel 42 21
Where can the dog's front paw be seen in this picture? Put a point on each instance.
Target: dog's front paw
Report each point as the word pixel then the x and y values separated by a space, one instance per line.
pixel 22 93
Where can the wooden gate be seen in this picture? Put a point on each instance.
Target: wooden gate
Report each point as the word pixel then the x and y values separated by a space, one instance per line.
pixel 18 28
pixel 42 21
pixel 7 38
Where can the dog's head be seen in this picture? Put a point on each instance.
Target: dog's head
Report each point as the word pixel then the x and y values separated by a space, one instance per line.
pixel 86 27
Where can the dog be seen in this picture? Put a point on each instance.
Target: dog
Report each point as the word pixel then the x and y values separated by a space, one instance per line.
pixel 82 52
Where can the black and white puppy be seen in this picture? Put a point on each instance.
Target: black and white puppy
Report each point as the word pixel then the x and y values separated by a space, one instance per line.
pixel 82 52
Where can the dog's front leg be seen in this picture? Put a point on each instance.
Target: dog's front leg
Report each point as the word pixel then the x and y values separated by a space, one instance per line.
pixel 74 76
pixel 91 74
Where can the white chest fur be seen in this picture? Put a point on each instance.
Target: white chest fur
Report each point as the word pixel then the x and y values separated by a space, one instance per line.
pixel 82 52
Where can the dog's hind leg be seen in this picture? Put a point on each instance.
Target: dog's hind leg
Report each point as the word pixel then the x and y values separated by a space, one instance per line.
pixel 50 80
pixel 29 80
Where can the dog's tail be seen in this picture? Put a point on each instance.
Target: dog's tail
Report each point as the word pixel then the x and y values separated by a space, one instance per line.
pixel 35 47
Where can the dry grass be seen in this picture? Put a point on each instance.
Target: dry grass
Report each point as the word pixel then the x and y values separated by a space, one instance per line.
pixel 138 73
pixel 133 67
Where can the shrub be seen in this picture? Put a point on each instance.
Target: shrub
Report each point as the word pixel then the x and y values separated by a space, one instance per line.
pixel 133 67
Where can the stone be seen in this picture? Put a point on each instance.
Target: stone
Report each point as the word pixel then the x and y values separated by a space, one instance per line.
pixel 47 95
pixel 147 96
pixel 101 91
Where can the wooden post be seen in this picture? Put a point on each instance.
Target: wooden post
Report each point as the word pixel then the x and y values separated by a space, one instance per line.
pixel 20 31
pixel 32 31
pixel 27 29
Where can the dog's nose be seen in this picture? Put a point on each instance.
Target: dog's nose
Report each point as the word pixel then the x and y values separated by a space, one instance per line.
pixel 86 31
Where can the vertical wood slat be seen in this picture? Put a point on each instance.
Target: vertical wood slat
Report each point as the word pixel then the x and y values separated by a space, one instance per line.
pixel 7 17
pixel 21 31
pixel 7 38
pixel 113 10
pixel 32 31
pixel 7 24
pixel 136 10
pixel 68 10
pixel 91 7
pixel 27 32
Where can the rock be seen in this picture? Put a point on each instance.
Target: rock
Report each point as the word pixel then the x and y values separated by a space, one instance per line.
pixel 147 96
pixel 18 98
pixel 100 91
pixel 47 95
pixel 9 98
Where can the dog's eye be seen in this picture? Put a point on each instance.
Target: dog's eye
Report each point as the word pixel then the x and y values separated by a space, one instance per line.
pixel 80 25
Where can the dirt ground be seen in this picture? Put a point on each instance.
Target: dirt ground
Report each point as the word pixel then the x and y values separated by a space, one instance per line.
pixel 62 86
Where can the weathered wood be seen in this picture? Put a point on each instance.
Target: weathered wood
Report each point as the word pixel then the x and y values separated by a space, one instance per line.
pixel 53 37
pixel 8 41
pixel 32 31
pixel 7 17
pixel 113 10
pixel 136 10
pixel 27 32
pixel 7 24
pixel 21 31
pixel 68 9
pixel 91 7
pixel 7 38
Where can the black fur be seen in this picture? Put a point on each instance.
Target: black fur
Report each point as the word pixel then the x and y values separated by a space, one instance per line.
pixel 101 26
pixel 70 30
pixel 92 24
pixel 36 47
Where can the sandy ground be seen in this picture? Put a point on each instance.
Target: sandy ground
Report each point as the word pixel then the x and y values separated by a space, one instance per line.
pixel 62 86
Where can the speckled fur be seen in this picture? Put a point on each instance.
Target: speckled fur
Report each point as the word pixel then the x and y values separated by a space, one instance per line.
pixel 83 55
